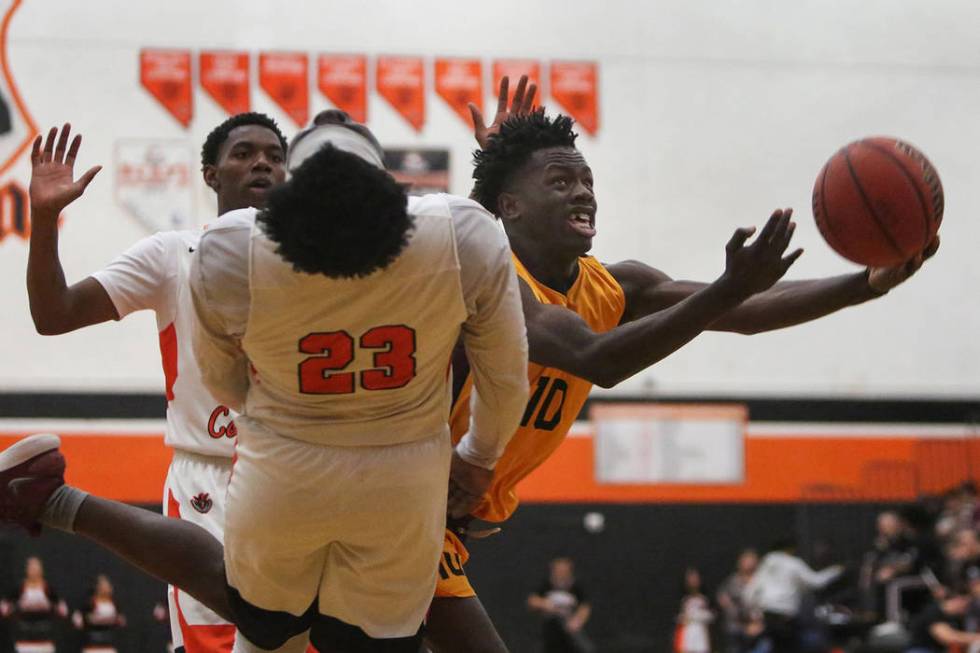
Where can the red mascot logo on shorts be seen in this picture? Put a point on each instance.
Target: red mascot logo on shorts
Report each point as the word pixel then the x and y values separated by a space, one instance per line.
pixel 202 502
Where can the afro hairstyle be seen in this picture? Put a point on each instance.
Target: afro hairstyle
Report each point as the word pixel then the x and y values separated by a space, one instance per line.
pixel 510 148
pixel 338 216
pixel 218 135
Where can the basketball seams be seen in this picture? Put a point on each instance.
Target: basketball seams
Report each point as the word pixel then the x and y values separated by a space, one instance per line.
pixel 823 224
pixel 926 212
pixel 868 206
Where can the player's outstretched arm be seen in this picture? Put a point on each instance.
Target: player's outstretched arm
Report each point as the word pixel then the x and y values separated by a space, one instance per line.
pixel 787 303
pixel 55 306
pixel 560 338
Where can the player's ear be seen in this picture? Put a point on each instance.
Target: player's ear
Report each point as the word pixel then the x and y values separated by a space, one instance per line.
pixel 508 206
pixel 210 174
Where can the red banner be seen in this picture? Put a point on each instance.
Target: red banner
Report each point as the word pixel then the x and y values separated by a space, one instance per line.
pixel 574 85
pixel 343 80
pixel 166 74
pixel 514 68
pixel 284 77
pixel 224 75
pixel 401 81
pixel 459 82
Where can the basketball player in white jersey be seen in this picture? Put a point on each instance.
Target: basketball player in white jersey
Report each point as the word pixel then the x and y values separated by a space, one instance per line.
pixel 330 319
pixel 242 158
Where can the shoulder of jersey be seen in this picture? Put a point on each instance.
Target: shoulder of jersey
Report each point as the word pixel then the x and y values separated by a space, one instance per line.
pixel 237 219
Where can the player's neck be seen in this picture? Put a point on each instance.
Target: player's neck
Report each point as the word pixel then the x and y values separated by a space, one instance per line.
pixel 554 269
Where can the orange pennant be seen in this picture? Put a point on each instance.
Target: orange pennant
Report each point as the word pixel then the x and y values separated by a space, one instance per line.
pixel 166 74
pixel 284 77
pixel 343 80
pixel 514 68
pixel 459 82
pixel 401 81
pixel 575 86
pixel 224 75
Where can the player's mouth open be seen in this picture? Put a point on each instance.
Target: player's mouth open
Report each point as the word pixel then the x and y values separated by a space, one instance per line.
pixel 583 222
pixel 262 183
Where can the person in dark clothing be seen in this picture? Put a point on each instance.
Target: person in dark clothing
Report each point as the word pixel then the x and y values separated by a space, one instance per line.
pixel 100 619
pixel 35 608
pixel 566 609
pixel 940 625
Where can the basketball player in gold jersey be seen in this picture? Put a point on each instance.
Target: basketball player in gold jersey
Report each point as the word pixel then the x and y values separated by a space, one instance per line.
pixel 590 323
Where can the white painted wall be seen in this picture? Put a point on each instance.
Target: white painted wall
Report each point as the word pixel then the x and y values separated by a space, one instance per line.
pixel 712 113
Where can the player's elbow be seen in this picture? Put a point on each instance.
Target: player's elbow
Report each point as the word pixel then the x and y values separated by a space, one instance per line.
pixel 46 325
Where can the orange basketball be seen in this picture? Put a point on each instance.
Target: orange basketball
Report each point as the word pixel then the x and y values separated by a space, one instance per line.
pixel 878 201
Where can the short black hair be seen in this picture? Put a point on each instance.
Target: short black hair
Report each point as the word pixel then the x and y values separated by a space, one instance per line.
pixel 338 216
pixel 218 135
pixel 509 149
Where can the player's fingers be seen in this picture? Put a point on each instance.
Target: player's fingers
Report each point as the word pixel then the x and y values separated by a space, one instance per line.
pixel 87 178
pixel 48 152
pixel 73 150
pixel 477 117
pixel 529 100
pixel 36 150
pixel 519 94
pixel 931 248
pixel 783 242
pixel 59 150
pixel 770 227
pixel 502 97
pixel 791 259
pixel 739 237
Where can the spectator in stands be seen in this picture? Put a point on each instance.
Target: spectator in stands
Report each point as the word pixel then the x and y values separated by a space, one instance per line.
pixel 694 617
pixel 959 510
pixel 777 591
pixel 739 627
pixel 963 554
pixel 35 607
pixel 565 607
pixel 892 555
pixel 100 619
pixel 941 625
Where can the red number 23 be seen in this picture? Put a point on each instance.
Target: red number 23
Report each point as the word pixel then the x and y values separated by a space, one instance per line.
pixel 394 365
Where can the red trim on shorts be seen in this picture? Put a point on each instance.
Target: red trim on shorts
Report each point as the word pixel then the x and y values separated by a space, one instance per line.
pixel 210 638
pixel 168 354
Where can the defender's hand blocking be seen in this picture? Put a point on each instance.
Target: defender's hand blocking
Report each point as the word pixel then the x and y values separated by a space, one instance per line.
pixel 467 485
pixel 750 269
pixel 52 173
pixel 521 104
pixel 881 280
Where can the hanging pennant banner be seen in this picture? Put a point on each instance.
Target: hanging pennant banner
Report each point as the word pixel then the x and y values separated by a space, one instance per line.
pixel 343 80
pixel 284 77
pixel 401 81
pixel 514 68
pixel 575 86
pixel 224 75
pixel 459 82
pixel 166 74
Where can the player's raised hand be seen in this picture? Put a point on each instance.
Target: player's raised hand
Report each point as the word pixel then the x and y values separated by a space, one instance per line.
pixel 882 280
pixel 755 267
pixel 467 485
pixel 521 104
pixel 53 186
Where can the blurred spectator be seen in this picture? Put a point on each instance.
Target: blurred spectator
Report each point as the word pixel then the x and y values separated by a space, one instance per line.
pixel 959 510
pixel 35 608
pixel 963 553
pixel 99 619
pixel 695 615
pixel 739 627
pixel 777 591
pixel 892 555
pixel 941 626
pixel 561 600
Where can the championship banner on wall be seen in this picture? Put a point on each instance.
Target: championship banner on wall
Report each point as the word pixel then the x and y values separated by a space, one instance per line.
pixel 225 77
pixel 514 68
pixel 343 80
pixel 401 81
pixel 459 82
pixel 284 77
pixel 153 183
pixel 166 74
pixel 425 170
pixel 574 85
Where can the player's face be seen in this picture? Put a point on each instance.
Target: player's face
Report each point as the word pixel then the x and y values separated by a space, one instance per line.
pixel 554 200
pixel 250 162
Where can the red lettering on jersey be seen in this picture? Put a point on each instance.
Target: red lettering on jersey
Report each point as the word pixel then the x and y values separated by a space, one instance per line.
pixel 228 430
pixel 168 354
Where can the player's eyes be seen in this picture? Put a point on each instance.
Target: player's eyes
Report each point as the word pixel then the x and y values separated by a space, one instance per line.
pixel 560 181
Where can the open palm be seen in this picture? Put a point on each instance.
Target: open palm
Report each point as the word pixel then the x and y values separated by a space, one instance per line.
pixel 53 186
pixel 521 104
